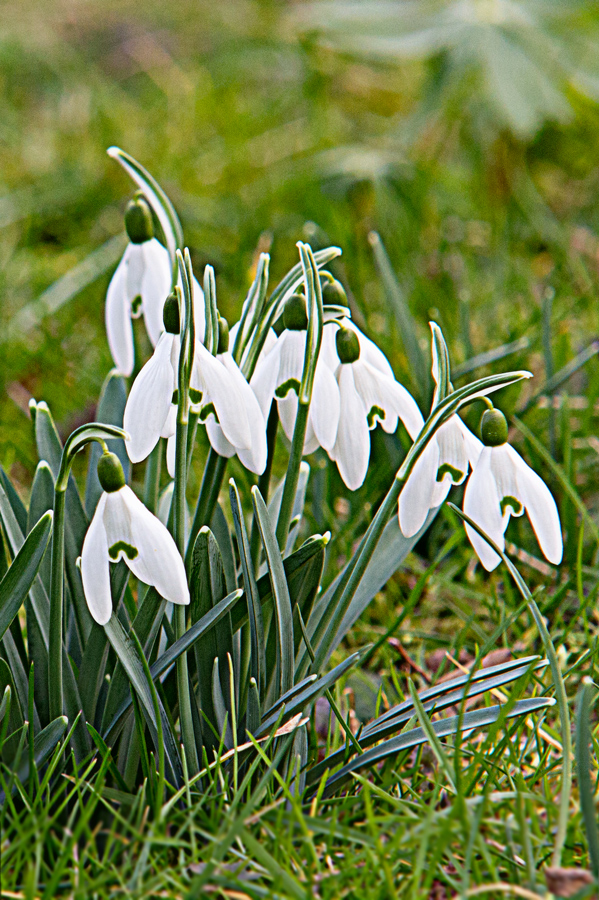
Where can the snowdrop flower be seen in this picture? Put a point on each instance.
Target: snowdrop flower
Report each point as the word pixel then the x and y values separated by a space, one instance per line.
pixel 122 528
pixel 349 396
pixel 150 412
pixel 443 462
pixel 140 284
pixel 503 485
pixel 368 393
pixel 234 420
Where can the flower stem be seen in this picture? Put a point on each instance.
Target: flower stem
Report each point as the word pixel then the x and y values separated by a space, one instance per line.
pixel 209 491
pixel 152 479
pixel 56 607
pixel 187 731
pixel 264 480
pixel 292 476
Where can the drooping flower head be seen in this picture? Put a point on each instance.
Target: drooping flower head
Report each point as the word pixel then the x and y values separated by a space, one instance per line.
pixel 445 461
pixel 354 389
pixel 503 485
pixel 122 528
pixel 139 285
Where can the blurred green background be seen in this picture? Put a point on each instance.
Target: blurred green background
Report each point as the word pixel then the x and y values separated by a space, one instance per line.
pixel 464 133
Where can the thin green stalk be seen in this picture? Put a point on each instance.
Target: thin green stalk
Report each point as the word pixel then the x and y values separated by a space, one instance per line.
pixel 179 506
pixel 264 480
pixel 292 476
pixel 56 606
pixel 210 489
pixel 152 478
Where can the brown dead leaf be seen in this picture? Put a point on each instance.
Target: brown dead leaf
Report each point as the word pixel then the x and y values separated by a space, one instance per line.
pixel 567 882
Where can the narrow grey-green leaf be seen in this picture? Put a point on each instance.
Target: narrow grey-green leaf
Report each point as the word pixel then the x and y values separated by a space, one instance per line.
pixel 280 589
pixel 111 407
pixel 257 648
pixel 479 718
pixel 129 659
pixel 17 582
pixel 156 197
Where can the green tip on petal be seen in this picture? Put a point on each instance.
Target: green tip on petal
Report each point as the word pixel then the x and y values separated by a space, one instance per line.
pixel 170 314
pixel 493 428
pixel 110 473
pixel 223 335
pixel 138 220
pixel 295 317
pixel 348 345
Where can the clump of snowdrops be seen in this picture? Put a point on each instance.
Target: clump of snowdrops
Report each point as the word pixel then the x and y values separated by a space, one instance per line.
pixel 174 634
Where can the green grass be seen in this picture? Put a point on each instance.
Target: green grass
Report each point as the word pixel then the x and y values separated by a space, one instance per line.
pixel 254 135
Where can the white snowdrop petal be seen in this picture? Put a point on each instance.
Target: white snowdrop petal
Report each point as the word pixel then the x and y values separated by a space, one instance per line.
pixel 452 450
pixel 541 510
pixel 218 441
pixel 155 286
pixel 256 422
pixel 481 503
pixel 325 408
pixel 291 356
pixel 265 378
pixel 149 402
pixel 352 447
pixel 171 451
pixel 159 563
pixel 170 423
pixel 311 442
pixel 117 521
pixel 223 392
pixel 134 271
pixel 472 444
pixel 119 330
pixel 369 352
pixel 503 469
pixel 415 499
pixel 287 412
pixel 95 571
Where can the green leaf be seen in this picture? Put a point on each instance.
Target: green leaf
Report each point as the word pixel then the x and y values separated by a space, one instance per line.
pixel 257 646
pixel 479 718
pixel 252 307
pixel 111 407
pixel 297 702
pixel 186 642
pixel 49 446
pixel 17 582
pixel 280 589
pixel 207 588
pixel 156 197
pixel 41 500
pixel 43 745
pixel 221 710
pixel 15 501
pixel 390 553
pixel 586 697
pixel 274 504
pixel 435 699
pixel 128 656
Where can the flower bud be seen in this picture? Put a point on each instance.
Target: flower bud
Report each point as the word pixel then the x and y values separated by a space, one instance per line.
pixel 348 345
pixel 110 473
pixel 170 314
pixel 223 335
pixel 333 293
pixel 138 221
pixel 294 314
pixel 493 428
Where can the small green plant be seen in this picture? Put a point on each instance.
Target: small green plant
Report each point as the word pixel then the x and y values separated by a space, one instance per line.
pixel 175 646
